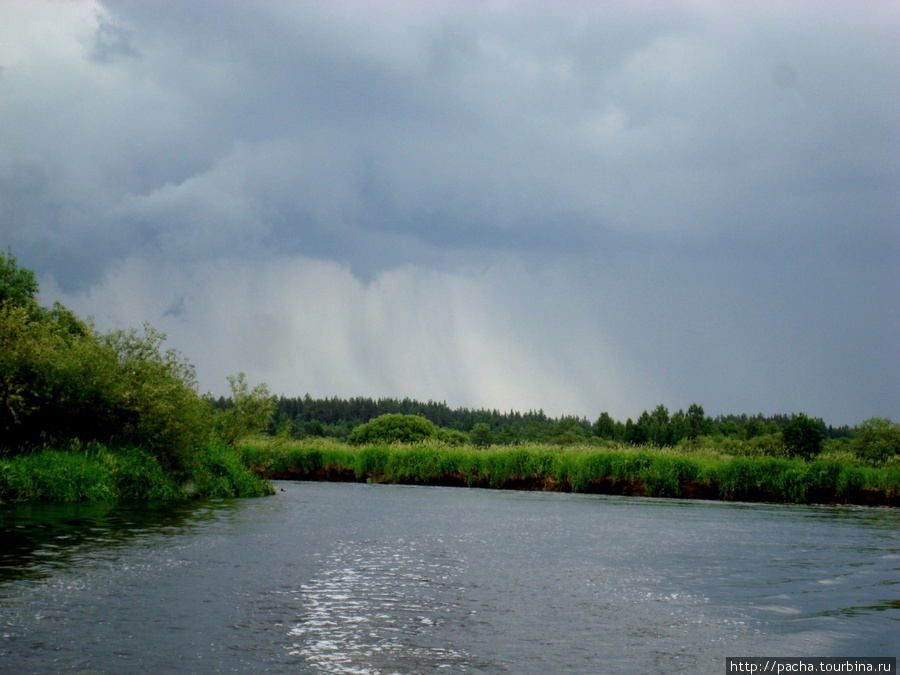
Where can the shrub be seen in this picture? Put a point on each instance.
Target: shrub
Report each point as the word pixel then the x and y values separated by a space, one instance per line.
pixel 157 406
pixel 18 285
pixel 452 437
pixel 393 429
pixel 481 435
pixel 804 436
pixel 59 383
pixel 878 440
pixel 137 474
pixel 768 444
pixel 250 411
pixel 221 473
pixel 568 438
pixel 133 402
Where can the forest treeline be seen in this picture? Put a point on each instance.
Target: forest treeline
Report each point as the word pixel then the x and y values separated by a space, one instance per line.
pixel 303 417
pixel 86 414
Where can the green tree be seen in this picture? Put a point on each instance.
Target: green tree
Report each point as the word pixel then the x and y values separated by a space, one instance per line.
pixel 452 437
pixel 18 285
pixel 658 426
pixel 59 382
pixel 393 428
pixel 751 429
pixel 36 369
pixel 698 423
pixel 481 435
pixel 605 427
pixel 877 440
pixel 63 385
pixel 629 434
pixel 157 405
pixel 506 435
pixel 568 430
pixel 66 321
pixel 679 427
pixel 804 436
pixel 251 410
pixel 535 432
pixel 314 428
pixel 729 428
pixel 640 433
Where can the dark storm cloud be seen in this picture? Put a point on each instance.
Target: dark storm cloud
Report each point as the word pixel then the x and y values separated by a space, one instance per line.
pixel 747 154
pixel 448 129
pixel 111 42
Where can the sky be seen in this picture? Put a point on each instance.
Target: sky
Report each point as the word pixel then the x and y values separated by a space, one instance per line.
pixel 576 207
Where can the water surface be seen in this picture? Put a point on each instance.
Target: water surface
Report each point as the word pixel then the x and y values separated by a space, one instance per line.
pixel 348 578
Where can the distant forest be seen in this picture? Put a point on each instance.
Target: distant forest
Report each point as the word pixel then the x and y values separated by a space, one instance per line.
pixel 337 418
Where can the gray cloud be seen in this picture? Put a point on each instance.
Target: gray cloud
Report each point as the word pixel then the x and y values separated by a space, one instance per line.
pixel 713 192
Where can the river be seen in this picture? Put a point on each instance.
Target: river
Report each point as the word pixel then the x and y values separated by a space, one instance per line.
pixel 355 578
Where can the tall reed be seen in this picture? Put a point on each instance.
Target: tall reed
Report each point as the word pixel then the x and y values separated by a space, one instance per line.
pixel 650 471
pixel 96 472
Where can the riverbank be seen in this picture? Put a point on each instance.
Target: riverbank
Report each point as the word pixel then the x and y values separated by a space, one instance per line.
pixel 613 470
pixel 97 472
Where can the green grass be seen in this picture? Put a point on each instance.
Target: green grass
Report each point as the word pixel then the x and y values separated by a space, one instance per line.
pixel 95 472
pixel 222 473
pixel 727 470
pixel 656 472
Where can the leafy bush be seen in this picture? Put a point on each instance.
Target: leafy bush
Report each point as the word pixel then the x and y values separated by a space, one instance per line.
pixel 133 402
pixel 121 388
pixel 804 436
pixel 157 406
pixel 250 411
pixel 878 440
pixel 18 286
pixel 481 435
pixel 393 429
pixel 222 473
pixel 137 474
pixel 768 444
pixel 452 437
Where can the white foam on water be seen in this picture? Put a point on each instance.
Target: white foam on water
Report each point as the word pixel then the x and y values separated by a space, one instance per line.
pixel 778 609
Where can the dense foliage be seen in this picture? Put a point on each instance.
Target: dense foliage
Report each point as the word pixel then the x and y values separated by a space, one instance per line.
pixel 783 435
pixel 248 410
pixel 611 468
pixel 803 436
pixel 393 429
pixel 878 440
pixel 97 472
pixel 64 384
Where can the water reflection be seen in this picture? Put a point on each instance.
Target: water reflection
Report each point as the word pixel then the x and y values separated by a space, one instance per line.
pixel 373 604
pixel 38 539
pixel 371 579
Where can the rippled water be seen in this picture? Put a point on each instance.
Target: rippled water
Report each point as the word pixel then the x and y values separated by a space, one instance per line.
pixel 345 578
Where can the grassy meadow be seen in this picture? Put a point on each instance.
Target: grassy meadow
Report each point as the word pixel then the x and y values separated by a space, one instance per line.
pixel 702 468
